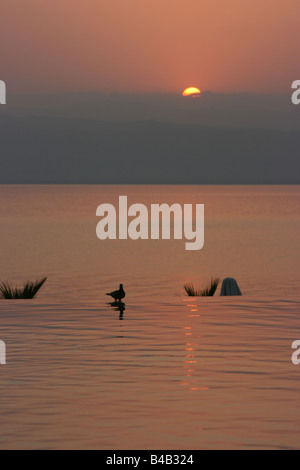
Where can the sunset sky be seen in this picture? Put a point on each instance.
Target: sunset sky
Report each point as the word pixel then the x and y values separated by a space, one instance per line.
pixel 148 46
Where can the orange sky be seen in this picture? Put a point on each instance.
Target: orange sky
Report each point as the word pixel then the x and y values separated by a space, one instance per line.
pixel 149 45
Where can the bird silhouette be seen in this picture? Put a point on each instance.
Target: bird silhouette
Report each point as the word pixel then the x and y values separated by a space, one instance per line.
pixel 118 294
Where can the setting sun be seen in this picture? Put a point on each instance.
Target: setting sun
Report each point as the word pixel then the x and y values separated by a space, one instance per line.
pixel 192 91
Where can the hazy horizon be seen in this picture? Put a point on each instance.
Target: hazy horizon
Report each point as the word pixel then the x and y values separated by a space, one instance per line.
pixel 96 138
pixel 245 130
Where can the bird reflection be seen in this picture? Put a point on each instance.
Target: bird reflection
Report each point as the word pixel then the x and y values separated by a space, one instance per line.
pixel 118 306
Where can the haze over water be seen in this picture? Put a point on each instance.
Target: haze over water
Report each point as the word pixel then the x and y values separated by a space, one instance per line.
pixel 169 372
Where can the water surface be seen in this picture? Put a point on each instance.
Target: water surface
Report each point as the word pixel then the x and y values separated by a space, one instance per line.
pixel 168 372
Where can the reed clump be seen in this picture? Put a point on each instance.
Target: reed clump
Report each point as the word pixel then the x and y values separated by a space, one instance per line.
pixel 191 291
pixel 209 291
pixel 28 291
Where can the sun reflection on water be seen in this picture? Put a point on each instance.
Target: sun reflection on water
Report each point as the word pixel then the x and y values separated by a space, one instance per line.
pixel 192 347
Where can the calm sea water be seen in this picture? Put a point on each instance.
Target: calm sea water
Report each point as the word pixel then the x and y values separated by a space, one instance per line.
pixel 168 372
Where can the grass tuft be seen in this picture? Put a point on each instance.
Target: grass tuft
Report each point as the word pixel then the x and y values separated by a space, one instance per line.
pixel 28 291
pixel 208 292
pixel 191 291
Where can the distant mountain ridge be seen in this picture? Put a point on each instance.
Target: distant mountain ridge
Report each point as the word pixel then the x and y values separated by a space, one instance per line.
pixel 53 150
pixel 211 109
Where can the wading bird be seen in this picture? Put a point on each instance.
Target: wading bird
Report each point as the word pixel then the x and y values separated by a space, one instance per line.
pixel 118 294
